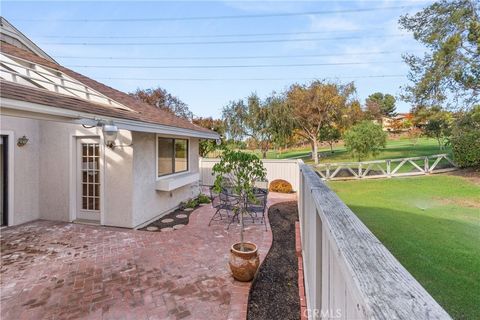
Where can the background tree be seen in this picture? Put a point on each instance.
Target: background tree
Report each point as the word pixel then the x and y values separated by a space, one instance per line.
pixel 465 139
pixel 451 32
pixel 249 120
pixel 438 125
pixel 316 105
pixel 282 126
pixel 217 125
pixel 364 139
pixel 330 135
pixel 160 98
pixel 414 135
pixel 383 104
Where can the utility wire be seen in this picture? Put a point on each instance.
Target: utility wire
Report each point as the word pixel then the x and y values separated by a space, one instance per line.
pixel 232 35
pixel 224 17
pixel 230 66
pixel 254 79
pixel 217 42
pixel 230 57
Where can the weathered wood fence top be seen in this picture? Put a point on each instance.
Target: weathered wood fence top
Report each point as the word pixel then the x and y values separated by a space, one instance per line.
pixel 349 274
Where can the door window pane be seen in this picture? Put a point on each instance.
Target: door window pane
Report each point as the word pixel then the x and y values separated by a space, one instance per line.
pixel 165 156
pixel 90 176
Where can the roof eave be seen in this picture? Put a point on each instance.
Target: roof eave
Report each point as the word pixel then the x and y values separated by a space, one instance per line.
pixel 132 125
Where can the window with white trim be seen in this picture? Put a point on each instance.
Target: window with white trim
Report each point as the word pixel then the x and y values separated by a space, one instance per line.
pixel 172 156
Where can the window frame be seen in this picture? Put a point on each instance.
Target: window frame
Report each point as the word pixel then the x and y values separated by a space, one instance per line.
pixel 174 138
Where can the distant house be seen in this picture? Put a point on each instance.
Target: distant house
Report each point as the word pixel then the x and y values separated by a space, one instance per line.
pixel 398 123
pixel 74 149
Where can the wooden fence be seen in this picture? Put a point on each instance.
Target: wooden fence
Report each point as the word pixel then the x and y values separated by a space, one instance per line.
pixel 276 169
pixel 348 273
pixel 386 168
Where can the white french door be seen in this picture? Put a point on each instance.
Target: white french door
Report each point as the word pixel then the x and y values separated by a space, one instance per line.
pixel 88 179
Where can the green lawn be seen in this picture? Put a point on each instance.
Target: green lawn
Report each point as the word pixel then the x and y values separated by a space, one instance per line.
pixel 394 149
pixel 399 148
pixel 431 224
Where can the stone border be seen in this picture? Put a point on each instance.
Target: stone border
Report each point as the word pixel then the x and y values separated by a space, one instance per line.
pixel 301 283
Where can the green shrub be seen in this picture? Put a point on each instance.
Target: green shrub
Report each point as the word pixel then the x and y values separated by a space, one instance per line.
pixel 202 198
pixel 192 203
pixel 465 139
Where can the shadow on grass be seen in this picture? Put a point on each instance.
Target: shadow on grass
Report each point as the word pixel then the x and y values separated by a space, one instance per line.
pixel 441 253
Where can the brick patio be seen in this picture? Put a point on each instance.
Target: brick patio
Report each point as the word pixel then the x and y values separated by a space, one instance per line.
pixel 56 270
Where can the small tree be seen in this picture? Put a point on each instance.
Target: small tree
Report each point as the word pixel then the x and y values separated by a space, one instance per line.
pixel 438 126
pixel 364 139
pixel 242 170
pixel 414 135
pixel 330 135
pixel 465 139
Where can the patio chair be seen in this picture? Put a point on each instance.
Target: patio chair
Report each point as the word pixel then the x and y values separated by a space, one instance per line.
pixel 221 201
pixel 259 204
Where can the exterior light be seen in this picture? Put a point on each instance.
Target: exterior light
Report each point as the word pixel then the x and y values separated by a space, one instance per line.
pixel 22 141
pixel 110 131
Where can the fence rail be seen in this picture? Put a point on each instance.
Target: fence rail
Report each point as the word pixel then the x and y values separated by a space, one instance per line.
pixel 348 273
pixel 386 168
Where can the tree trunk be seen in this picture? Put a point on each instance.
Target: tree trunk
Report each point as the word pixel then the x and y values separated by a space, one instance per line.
pixel 315 150
pixel 331 147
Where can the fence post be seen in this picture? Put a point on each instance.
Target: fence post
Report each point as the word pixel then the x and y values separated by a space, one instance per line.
pixel 327 172
pixel 426 165
pixel 359 169
pixel 389 168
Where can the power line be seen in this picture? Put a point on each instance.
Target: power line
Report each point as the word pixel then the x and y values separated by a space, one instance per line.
pixel 231 35
pixel 230 57
pixel 224 17
pixel 216 42
pixel 231 66
pixel 253 79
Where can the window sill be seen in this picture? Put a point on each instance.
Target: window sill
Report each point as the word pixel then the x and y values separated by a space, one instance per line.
pixel 170 183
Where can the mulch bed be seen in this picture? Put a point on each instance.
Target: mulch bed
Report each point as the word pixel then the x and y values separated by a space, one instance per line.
pixel 176 221
pixel 274 292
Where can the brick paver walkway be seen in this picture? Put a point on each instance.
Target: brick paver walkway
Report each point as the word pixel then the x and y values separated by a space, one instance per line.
pixel 55 270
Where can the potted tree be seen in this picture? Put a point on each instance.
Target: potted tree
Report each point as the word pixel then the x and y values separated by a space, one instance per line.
pixel 241 170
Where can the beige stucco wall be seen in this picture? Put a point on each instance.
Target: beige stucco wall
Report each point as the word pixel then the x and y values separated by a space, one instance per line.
pixel 149 203
pixel 43 177
pixel 26 168
pixel 45 174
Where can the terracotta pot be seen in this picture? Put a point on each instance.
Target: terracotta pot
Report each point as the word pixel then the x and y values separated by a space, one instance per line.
pixel 244 264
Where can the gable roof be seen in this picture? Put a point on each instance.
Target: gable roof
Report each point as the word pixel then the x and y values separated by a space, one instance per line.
pixel 140 111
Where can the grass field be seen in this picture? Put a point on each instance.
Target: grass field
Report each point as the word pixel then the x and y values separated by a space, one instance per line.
pixel 399 148
pixel 431 224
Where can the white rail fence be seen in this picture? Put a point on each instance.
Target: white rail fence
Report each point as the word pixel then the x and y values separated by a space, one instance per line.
pixel 276 169
pixel 386 168
pixel 348 273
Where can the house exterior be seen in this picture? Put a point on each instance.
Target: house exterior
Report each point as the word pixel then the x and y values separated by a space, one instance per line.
pixel 74 149
pixel 398 123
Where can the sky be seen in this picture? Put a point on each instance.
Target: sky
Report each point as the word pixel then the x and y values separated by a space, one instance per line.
pixel 210 53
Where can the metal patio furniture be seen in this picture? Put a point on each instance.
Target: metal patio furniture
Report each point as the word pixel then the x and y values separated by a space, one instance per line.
pixel 222 201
